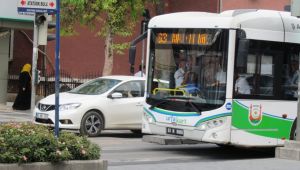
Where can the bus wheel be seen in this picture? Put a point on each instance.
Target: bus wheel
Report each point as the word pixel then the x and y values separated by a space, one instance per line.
pixel 293 130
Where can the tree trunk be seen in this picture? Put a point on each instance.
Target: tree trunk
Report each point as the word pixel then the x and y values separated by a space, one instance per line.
pixel 109 58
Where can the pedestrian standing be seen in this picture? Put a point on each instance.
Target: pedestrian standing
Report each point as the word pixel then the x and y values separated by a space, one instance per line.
pixel 23 99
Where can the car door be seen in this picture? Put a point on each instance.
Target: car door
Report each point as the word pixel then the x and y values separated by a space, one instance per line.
pixel 126 112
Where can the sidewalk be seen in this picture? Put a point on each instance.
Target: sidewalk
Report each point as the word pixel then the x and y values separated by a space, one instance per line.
pixel 7 114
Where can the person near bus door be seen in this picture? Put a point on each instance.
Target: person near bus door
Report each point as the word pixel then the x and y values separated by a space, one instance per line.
pixel 23 99
pixel 293 78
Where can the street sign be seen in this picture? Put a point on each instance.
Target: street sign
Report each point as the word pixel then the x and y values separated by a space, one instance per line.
pixel 37 6
pixel 8 11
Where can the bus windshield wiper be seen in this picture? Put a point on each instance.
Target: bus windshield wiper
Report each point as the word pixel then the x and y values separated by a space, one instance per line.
pixel 195 108
pixel 173 98
pixel 164 100
pixel 187 99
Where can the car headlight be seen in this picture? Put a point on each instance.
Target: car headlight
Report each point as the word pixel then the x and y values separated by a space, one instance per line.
pixel 69 106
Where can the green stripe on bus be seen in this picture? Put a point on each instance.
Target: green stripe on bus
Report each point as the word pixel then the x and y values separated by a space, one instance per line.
pixel 174 113
pixel 273 127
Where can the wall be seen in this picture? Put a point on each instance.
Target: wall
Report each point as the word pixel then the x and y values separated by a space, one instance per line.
pixel 4 56
pixel 254 4
pixel 191 5
pixel 22 51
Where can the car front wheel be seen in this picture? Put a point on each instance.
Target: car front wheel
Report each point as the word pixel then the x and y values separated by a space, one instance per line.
pixel 91 124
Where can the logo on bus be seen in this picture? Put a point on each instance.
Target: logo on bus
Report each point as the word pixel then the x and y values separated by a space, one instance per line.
pixel 228 106
pixel 255 114
pixel 176 121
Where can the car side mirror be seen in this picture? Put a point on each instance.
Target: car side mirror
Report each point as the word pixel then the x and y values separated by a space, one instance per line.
pixel 115 95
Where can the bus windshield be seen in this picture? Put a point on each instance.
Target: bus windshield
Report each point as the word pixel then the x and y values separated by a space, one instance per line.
pixel 187 69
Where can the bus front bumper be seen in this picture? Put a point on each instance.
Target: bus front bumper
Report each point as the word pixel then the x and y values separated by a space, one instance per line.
pixel 177 131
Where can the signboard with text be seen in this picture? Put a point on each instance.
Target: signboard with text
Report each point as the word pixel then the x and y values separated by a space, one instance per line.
pixel 37 6
pixel 9 11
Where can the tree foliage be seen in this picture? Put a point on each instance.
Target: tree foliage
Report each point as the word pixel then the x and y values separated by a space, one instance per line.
pixel 115 16
pixel 109 18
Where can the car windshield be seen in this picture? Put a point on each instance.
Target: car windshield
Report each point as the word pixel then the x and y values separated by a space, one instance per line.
pixel 97 86
pixel 188 65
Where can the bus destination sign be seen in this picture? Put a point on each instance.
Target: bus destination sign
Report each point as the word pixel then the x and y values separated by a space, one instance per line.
pixel 183 38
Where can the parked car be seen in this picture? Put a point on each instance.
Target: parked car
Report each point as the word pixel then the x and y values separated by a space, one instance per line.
pixel 111 102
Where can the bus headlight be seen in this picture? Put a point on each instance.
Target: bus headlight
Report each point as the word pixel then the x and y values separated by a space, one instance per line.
pixel 212 123
pixel 202 126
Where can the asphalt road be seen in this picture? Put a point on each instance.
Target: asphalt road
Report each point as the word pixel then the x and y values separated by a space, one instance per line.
pixel 125 150
pixel 15 116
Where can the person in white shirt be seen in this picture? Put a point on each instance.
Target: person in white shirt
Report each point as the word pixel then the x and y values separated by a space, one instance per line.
pixel 140 73
pixel 179 74
pixel 221 77
pixel 294 76
pixel 292 80
pixel 242 86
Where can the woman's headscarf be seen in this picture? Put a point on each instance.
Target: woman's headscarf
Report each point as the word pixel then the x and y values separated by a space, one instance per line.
pixel 26 68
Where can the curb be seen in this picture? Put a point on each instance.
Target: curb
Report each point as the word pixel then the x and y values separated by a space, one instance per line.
pixel 65 165
pixel 291 150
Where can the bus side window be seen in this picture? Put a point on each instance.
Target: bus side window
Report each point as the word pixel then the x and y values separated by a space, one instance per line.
pixel 242 85
pixel 291 73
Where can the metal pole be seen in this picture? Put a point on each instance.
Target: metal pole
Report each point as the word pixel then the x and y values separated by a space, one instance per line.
pixel 220 6
pixel 57 65
pixel 298 108
pixel 34 62
pixel 143 51
pixel 44 69
pixel 295 11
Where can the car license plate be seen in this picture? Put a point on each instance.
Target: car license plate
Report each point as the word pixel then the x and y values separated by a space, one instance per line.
pixel 41 116
pixel 174 131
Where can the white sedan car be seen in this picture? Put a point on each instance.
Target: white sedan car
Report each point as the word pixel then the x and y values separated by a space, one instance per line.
pixel 111 102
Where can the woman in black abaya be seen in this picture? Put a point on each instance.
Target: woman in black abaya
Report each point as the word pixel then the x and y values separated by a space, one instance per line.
pixel 23 98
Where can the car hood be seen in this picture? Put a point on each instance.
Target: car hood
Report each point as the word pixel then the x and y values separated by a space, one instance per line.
pixel 65 98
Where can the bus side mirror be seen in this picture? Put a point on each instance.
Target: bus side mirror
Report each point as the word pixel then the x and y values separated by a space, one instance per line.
pixel 132 52
pixel 242 52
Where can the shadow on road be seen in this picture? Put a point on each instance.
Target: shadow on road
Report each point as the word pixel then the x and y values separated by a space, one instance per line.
pixel 118 134
pixel 202 152
pixel 214 152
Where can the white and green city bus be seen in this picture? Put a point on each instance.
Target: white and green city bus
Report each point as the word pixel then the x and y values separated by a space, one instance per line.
pixel 238 85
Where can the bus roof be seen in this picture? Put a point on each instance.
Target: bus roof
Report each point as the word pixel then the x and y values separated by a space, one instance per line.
pixel 258 24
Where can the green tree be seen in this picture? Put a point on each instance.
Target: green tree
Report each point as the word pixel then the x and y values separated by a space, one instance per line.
pixel 111 18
